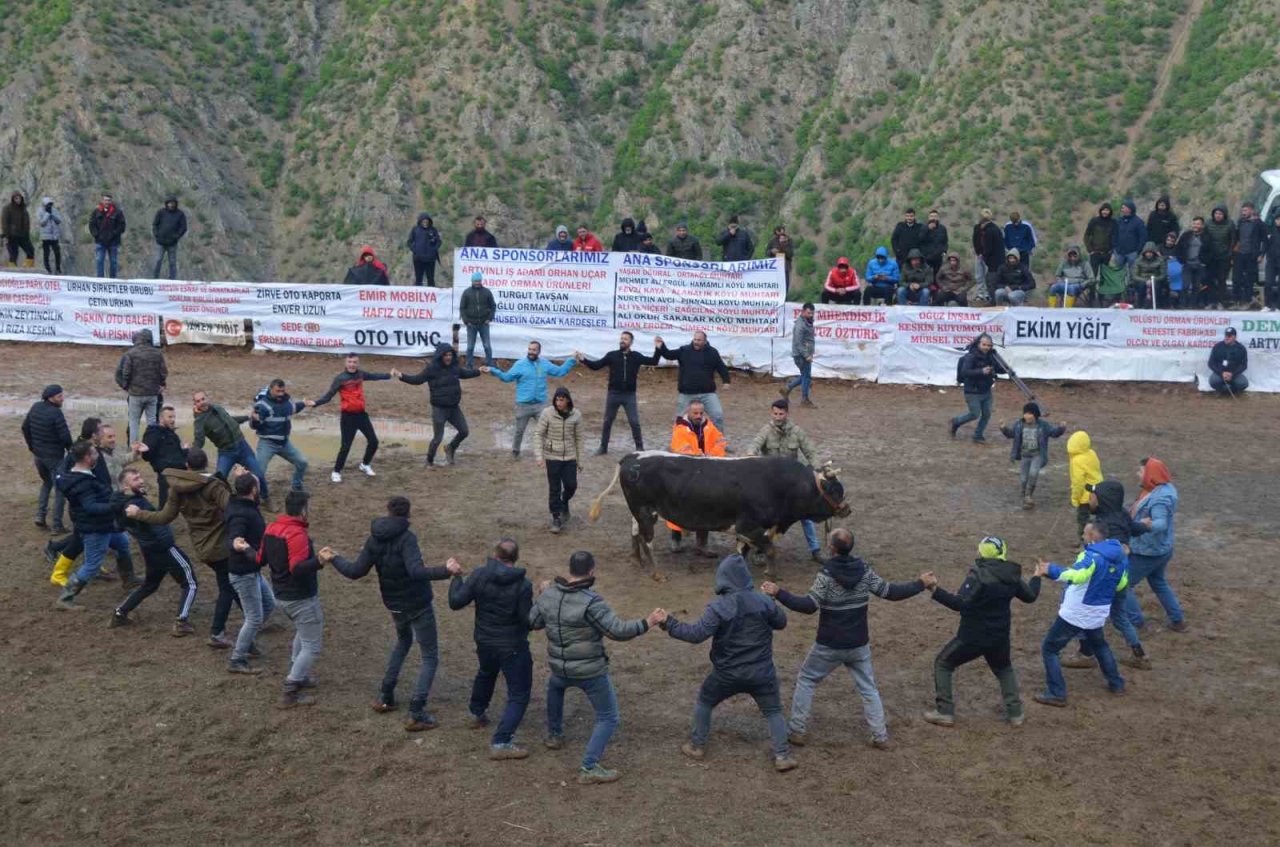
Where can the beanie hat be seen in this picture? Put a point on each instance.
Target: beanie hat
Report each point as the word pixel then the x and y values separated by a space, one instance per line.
pixel 562 228
pixel 50 391
pixel 992 547
pixel 477 277
pixel 1033 408
pixel 1128 204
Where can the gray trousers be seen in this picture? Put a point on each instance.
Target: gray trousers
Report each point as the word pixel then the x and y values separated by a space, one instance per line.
pixel 1029 472
pixel 308 622
pixel 525 412
pixel 820 662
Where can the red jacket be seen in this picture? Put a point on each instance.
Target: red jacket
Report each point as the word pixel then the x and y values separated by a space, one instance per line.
pixel 839 281
pixel 287 550
pixel 587 244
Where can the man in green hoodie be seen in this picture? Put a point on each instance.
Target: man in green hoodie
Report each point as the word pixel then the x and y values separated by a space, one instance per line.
pixel 1149 283
pixel 223 429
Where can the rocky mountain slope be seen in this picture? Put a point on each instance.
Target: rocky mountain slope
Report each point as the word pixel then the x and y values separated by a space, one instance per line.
pixel 296 130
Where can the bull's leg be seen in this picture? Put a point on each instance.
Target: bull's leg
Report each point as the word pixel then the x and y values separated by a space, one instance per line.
pixel 751 536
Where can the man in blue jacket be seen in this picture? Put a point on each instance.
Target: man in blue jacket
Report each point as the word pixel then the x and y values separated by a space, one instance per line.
pixel 881 277
pixel 530 376
pixel 271 418
pixel 1131 234
pixel 424 244
pixel 740 623
pixel 1021 236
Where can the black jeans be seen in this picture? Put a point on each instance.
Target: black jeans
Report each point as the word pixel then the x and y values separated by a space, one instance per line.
pixel 13 242
pixel 626 401
pixel 441 415
pixel 348 425
pixel 562 483
pixel 226 596
pixel 1245 277
pixel 424 266
pixel 173 562
pixel 958 652
pixel 47 247
pixel 1272 290
pixel 516 666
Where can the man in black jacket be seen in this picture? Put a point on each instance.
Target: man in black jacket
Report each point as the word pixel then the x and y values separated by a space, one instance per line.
pixel 48 437
pixel 245 528
pixel 977 372
pixel 908 235
pixel 443 377
pixel 162 448
pixel 935 242
pixel 1271 293
pixel 89 499
pixel 627 239
pixel 840 594
pixel 476 308
pixel 405 583
pixel 684 245
pixel 983 603
pixel 107 226
pixel 699 363
pixel 1250 248
pixel 503 598
pixel 1195 252
pixel 159 551
pixel 623 365
pixel 736 242
pixel 1228 360
pixel 168 227
pixel 479 236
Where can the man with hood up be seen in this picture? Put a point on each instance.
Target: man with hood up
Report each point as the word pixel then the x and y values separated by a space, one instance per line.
pixel 1150 268
pixel 368 270
pixel 916 277
pixel 561 243
pixel 1222 235
pixel 1071 277
pixel 736 242
pixel 107 226
pixel 143 374
pixel 168 227
pixel 627 240
pixel 1012 282
pixel 557 445
pixel 953 282
pixel 1100 237
pixel 985 620
pixel 50 221
pixel 1162 221
pixel 424 244
pixel 404 581
pixel 740 622
pixel 443 375
pixel 842 285
pixel 1131 234
pixel 15 223
pixel 840 594
pixel 881 277
pixel 1092 582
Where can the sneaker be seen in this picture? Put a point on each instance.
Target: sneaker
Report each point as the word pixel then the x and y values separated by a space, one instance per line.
pixel 1046 700
pixel 596 775
pixel 808 404
pixel 600 451
pixel 880 744
pixel 220 642
pixel 477 721
pixel 181 629
pixel 782 764
pixel 502 752
pixel 1138 660
pixel 421 723
pixel 1027 503
pixel 335 477
pixel 1080 662
pixel 118 620
pixel 40 524
pixel 68 604
pixel 59 529
pixel 382 706
pixel 556 524
pixel 292 696
pixel 1180 626
pixel 696 753
pixel 1015 720
pixel 242 666
pixel 795 739
pixel 939 718
pixel 429 464
pixel 1118 692
pixel 309 682
pixel 553 742
pixel 367 470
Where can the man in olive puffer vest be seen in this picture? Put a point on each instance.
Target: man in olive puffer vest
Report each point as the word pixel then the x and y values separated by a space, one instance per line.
pixel 577 621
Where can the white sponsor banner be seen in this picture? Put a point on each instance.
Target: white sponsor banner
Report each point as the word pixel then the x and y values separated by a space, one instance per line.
pixel 225 331
pixel 40 308
pixel 847 341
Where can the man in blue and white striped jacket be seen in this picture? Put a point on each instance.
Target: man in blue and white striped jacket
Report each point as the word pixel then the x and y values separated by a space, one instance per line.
pixel 273 409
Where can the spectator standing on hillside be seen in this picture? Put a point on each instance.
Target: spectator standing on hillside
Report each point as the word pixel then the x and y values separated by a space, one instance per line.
pixel 48 438
pixel 881 278
pixel 781 246
pixel 50 221
pixel 1272 291
pixel 15 222
pixel 1195 252
pixel 647 245
pixel 1222 232
pixel 530 376
pixel 699 363
pixel 586 242
pixel 1012 283
pixel 1071 277
pixel 1250 247
pixel 1131 234
pixel 424 244
pixel 624 366
pixel 557 445
pixel 1100 237
pixel 802 350
pixel 1021 236
pixel 916 278
pixel 908 235
pixel 168 227
pixel 936 242
pixel 477 308
pixel 107 226
pixel 368 270
pixel 988 247
pixel 1228 360
pixel 1162 221
pixel 684 245
pixel 561 243
pixel 349 386
pixel 627 239
pixel 143 374
pixel 842 284
pixel 977 371
pixel 736 242
pixel 781 437
pixel 479 236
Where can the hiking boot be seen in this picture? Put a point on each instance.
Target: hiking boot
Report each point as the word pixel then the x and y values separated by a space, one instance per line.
pixel 119 620
pixel 477 721
pixel 335 477
pixel 1027 503
pixel 1046 700
pixel 816 555
pixel 1139 659
pixel 50 555
pixel 1080 661
pixel 1015 720
pixel 556 524
pixel 293 696
pixel 553 742
pixel 421 723
pixel 67 599
pixel 795 739
pixel 1180 626
pixel 939 718
pixel 600 451
pixel 242 666
pixel 808 404
pixel 696 753
pixel 450 455
pixel 59 529
pixel 105 575
pixel 40 524
pixel 953 426
pixel 220 642
pixel 596 775
pixel 382 706
pixel 880 744
pixel 503 752
pixel 181 629
pixel 782 764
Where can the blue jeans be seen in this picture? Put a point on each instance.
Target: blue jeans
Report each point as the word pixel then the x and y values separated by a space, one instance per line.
pixel 95 553
pixel 411 627
pixel 804 379
pixel 243 456
pixel 1239 382
pixel 1151 568
pixel 1071 289
pixel 1124 260
pixel 599 690
pixel 1120 622
pixel 257 601
pixel 710 402
pixel 905 296
pixel 1060 635
pixel 483 331
pixel 718 687
pixel 268 447
pixel 101 252
pixel 818 665
pixel 516 667
pixel 979 410
pixel 810 535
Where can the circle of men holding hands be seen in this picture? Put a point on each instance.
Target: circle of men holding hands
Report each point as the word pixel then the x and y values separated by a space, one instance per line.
pixel 262 566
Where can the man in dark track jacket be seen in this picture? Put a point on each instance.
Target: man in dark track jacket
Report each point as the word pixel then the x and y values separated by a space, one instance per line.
pixel 48 437
pixel 840 594
pixel 443 376
pixel 983 603
pixel 741 622
pixel 699 363
pixel 977 371
pixel 503 598
pixel 159 551
pixel 245 528
pixel 405 583
pixel 623 364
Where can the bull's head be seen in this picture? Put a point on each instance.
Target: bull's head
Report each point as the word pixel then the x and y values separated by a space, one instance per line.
pixel 832 490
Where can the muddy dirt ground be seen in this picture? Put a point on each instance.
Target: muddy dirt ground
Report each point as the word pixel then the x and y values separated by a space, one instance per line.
pixel 120 737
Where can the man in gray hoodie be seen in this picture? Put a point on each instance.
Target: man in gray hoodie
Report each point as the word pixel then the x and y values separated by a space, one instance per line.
pixel 802 345
pixel 577 621
pixel 143 374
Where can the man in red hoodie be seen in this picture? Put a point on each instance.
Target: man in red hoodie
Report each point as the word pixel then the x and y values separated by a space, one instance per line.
pixel 294 563
pixel 349 385
pixel 368 271
pixel 586 242
pixel 842 285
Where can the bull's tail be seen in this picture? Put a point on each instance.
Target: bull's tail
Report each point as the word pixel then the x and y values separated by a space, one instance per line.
pixel 594 514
